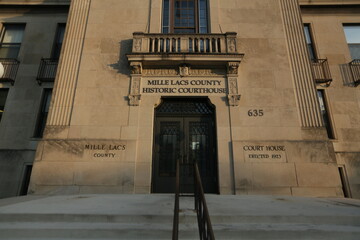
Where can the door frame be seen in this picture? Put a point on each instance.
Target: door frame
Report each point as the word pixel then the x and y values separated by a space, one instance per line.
pixel 214 128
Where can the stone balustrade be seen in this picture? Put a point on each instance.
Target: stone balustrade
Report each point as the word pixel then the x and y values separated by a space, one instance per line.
pixel 184 43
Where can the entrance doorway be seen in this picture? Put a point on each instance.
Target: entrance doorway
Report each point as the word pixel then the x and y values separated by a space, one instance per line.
pixel 184 131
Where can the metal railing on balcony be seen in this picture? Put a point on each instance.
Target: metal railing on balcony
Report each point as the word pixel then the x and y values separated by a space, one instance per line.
pixel 47 70
pixel 11 67
pixel 184 43
pixel 321 71
pixel 355 71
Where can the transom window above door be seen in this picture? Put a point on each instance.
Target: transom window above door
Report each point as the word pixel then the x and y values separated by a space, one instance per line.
pixel 185 16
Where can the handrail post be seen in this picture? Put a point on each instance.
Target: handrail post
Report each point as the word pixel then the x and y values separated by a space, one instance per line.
pixel 175 233
pixel 205 228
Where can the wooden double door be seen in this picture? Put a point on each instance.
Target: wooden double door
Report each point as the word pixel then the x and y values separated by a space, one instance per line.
pixel 188 135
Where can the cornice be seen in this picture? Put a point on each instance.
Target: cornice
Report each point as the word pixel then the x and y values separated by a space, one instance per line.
pixel 328 2
pixel 35 2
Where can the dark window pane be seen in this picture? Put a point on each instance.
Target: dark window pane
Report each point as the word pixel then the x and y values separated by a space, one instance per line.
pixel 325 113
pixel 44 110
pixel 9 50
pixel 11 38
pixel 309 41
pixel 58 41
pixel 166 16
pixel 184 17
pixel 352 33
pixel 3 96
pixel 354 51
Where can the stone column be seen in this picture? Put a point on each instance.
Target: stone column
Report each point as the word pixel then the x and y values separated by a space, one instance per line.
pixel 304 84
pixel 69 64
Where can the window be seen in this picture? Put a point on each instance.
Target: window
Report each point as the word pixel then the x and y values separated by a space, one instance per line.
pixel 58 40
pixel 309 41
pixel 352 33
pixel 185 16
pixel 3 96
pixel 25 180
pixel 325 113
pixel 11 37
pixel 43 113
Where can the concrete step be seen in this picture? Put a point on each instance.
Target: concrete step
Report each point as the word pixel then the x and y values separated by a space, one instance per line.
pixel 102 230
pixel 150 217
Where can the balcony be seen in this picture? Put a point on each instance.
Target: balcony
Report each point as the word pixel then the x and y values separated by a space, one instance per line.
pixel 321 71
pixel 355 71
pixel 174 49
pixel 11 67
pixel 47 70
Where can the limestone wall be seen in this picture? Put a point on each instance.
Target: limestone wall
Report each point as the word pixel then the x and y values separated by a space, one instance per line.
pixel 343 98
pixel 91 105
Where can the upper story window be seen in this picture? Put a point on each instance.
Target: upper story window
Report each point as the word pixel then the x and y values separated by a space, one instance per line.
pixel 352 33
pixel 309 41
pixel 44 111
pixel 185 16
pixel 3 95
pixel 58 40
pixel 11 38
pixel 325 113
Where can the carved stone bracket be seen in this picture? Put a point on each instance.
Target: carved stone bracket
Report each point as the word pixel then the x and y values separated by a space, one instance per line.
pixel 134 100
pixel 233 96
pixel 234 100
pixel 135 96
pixel 233 67
pixel 136 67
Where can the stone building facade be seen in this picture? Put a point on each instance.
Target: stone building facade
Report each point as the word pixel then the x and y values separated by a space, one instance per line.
pixel 261 93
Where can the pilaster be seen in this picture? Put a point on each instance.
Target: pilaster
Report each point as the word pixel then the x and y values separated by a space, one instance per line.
pixel 69 64
pixel 304 84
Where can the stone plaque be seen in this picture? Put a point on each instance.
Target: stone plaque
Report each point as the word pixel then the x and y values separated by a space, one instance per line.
pixel 264 152
pixel 104 151
pixel 184 86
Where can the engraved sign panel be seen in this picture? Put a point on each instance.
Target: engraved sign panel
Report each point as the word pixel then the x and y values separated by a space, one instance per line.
pixel 183 86
pixel 264 152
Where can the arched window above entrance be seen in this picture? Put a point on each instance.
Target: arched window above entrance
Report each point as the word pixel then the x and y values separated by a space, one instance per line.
pixel 185 106
pixel 185 16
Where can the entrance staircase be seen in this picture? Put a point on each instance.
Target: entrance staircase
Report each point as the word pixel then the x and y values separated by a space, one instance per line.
pixel 150 217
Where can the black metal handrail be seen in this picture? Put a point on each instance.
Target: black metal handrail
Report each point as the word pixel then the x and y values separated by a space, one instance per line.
pixel 355 71
pixel 47 70
pixel 321 71
pixel 205 228
pixel 11 67
pixel 175 233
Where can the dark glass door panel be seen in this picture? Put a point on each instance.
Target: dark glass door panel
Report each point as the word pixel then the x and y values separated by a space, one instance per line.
pixel 188 138
pixel 168 150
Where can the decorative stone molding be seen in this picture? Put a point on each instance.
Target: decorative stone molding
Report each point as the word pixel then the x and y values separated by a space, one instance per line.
pixel 233 67
pixel 136 67
pixel 234 100
pixel 233 96
pixel 135 96
pixel 231 45
pixel 232 85
pixel 134 100
pixel 184 70
pixel 160 72
pixel 175 72
pixel 137 44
